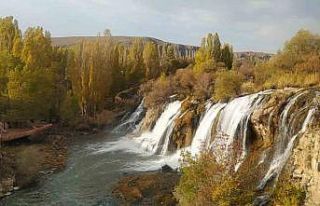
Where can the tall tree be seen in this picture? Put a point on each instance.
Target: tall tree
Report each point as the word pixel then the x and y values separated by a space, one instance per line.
pixel 216 48
pixel 151 60
pixel 227 55
pixel 136 71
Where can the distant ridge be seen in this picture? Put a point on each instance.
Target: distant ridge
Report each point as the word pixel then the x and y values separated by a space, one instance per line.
pixel 72 40
pixel 127 40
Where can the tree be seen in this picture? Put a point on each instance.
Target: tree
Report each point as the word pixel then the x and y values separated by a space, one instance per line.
pixel 136 71
pixel 107 33
pixel 37 50
pixel 216 48
pixel 9 33
pixel 151 60
pixel 227 55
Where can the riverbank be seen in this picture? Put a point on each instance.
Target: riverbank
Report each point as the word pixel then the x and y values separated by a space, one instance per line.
pixel 24 161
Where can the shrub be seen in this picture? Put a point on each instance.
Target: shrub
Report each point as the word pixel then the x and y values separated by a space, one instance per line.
pixel 248 87
pixel 203 86
pixel 227 85
pixel 288 193
pixel 157 92
pixel 206 182
pixel 184 81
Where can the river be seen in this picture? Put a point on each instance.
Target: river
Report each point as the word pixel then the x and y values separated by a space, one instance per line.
pixel 94 165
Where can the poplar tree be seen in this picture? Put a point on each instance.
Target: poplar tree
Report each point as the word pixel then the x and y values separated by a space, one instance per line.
pixel 151 60
pixel 136 71
pixel 216 48
pixel 227 55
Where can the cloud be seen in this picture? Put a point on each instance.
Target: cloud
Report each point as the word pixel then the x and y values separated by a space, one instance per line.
pixel 247 24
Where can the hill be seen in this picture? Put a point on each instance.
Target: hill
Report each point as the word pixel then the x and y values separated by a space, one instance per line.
pixel 127 40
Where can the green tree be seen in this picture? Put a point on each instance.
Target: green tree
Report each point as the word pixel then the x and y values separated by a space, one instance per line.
pixel 216 48
pixel 227 55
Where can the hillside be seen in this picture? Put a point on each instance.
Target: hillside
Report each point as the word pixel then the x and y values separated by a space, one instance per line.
pixel 185 50
pixel 127 40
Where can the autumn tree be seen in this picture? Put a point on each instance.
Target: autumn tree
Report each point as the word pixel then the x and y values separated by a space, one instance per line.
pixel 151 60
pixel 136 70
pixel 30 88
pixel 216 47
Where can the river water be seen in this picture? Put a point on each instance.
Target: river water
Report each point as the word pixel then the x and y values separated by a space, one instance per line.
pixel 94 165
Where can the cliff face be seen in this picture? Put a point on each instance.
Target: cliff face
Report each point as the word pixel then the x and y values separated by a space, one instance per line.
pixel 305 165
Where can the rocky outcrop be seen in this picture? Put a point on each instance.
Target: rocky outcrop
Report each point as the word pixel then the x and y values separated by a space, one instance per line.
pixel 150 118
pixel 305 163
pixel 264 119
pixel 186 124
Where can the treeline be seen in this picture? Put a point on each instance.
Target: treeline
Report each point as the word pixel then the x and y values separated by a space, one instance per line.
pixel 39 82
pixel 213 60
pixel 218 75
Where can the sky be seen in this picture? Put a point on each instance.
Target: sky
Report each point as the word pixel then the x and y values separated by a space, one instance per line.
pixel 256 25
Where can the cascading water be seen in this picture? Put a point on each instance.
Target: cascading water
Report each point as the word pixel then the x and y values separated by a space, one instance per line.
pixel 131 123
pixel 158 138
pixel 233 123
pixel 283 152
pixel 203 134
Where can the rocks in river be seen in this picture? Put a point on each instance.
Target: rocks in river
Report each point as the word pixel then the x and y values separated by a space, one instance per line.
pixel 166 168
pixel 148 188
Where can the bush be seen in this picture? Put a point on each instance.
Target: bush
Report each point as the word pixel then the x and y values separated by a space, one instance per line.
pixel 203 86
pixel 227 85
pixel 206 182
pixel 157 92
pixel 248 87
pixel 288 193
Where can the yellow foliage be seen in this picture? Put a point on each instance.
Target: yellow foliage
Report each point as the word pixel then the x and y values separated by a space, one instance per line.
pixel 227 85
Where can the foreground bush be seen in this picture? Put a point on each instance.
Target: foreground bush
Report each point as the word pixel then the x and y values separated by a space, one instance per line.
pixel 206 182
pixel 288 193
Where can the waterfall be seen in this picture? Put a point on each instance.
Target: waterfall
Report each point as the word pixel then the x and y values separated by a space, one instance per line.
pixel 203 133
pixel 284 124
pixel 282 155
pixel 233 123
pixel 157 140
pixel 131 123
